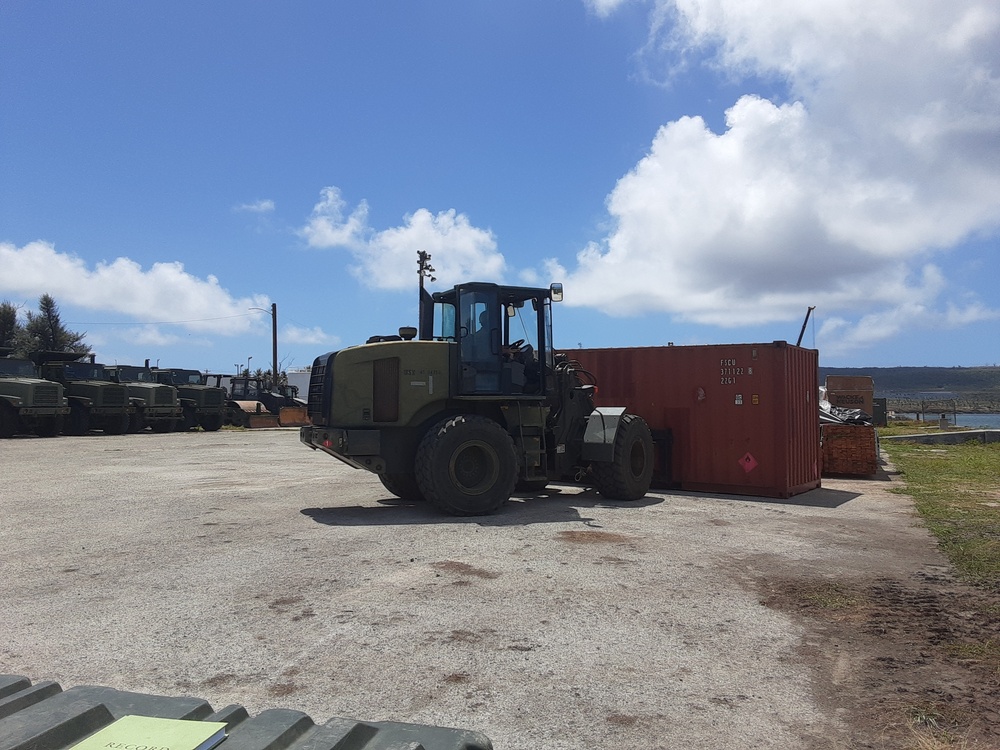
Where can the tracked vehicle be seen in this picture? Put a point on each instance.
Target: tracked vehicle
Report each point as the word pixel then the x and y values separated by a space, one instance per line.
pixel 478 404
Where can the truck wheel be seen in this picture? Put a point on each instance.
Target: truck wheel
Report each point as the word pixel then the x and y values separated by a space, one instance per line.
pixel 137 422
pixel 49 427
pixel 403 486
pixel 117 425
pixel 79 421
pixel 8 421
pixel 466 466
pixel 627 477
pixel 211 422
pixel 188 420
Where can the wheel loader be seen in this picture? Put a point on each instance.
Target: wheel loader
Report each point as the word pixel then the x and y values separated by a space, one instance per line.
pixel 478 405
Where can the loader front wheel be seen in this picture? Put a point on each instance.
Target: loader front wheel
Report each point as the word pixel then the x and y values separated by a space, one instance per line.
pixel 466 466
pixel 628 475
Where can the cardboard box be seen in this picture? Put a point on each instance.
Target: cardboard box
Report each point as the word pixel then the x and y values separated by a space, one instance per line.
pixel 850 383
pixel 863 400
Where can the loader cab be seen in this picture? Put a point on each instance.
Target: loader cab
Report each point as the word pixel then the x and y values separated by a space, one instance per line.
pixel 503 334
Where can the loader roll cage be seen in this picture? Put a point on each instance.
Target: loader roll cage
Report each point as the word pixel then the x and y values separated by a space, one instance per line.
pixel 503 349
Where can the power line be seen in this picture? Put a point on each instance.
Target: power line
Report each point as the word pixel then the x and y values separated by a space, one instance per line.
pixel 161 322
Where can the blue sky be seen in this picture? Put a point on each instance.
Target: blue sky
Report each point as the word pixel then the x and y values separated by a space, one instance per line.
pixel 693 171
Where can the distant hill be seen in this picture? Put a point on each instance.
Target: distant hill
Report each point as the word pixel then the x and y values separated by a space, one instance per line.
pixel 924 381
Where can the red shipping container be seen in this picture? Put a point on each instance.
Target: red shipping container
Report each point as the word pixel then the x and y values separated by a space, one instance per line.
pixel 733 418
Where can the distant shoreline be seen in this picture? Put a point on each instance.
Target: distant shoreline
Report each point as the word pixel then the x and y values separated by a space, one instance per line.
pixel 957 405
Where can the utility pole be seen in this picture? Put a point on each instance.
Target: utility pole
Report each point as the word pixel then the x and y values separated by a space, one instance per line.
pixel 274 347
pixel 273 312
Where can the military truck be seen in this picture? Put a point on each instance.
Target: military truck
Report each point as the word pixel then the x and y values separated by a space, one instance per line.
pixel 157 406
pixel 201 405
pixel 479 404
pixel 28 403
pixel 95 403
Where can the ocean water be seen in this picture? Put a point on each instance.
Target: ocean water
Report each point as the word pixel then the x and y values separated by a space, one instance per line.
pixel 990 421
pixel 981 421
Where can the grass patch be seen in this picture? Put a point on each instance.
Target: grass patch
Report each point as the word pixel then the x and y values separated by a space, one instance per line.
pixel 956 491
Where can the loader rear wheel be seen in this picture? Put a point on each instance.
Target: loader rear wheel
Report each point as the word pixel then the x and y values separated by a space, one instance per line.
pixel 403 486
pixel 627 477
pixel 466 466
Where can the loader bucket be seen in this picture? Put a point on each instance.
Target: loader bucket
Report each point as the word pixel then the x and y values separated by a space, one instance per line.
pixel 293 416
pixel 251 414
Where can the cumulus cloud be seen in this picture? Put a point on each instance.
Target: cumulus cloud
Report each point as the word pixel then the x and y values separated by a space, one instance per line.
pixel 313 335
pixel 846 195
pixel 165 292
pixel 387 259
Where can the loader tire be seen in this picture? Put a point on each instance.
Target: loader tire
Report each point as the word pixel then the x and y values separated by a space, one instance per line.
pixel 628 475
pixel 403 486
pixel 466 466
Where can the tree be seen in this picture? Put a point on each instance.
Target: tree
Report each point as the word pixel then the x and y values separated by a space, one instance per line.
pixel 44 331
pixel 11 329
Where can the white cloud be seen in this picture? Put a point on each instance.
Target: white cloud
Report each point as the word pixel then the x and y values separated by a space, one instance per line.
pixel 163 293
pixel 883 158
pixel 149 335
pixel 257 207
pixel 314 335
pixel 604 7
pixel 387 259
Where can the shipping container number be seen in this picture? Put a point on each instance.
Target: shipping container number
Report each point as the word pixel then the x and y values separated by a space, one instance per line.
pixel 729 371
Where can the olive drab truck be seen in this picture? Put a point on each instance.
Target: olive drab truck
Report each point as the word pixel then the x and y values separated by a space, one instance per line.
pixel 157 406
pixel 95 403
pixel 201 405
pixel 477 405
pixel 28 403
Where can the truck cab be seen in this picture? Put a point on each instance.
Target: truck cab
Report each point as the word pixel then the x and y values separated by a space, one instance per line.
pixel 156 405
pixel 28 403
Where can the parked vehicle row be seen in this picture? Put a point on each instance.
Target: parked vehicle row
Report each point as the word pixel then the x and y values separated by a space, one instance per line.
pixel 57 393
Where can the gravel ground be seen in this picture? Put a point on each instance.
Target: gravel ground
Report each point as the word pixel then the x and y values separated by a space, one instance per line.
pixel 241 567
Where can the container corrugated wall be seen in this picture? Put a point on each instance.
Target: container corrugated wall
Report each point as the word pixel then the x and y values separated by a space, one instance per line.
pixel 734 418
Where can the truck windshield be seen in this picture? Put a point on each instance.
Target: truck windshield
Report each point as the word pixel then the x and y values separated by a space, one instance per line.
pixel 16 368
pixel 83 371
pixel 135 375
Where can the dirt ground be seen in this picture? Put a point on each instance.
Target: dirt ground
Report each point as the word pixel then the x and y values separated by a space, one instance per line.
pixel 909 661
pixel 240 567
